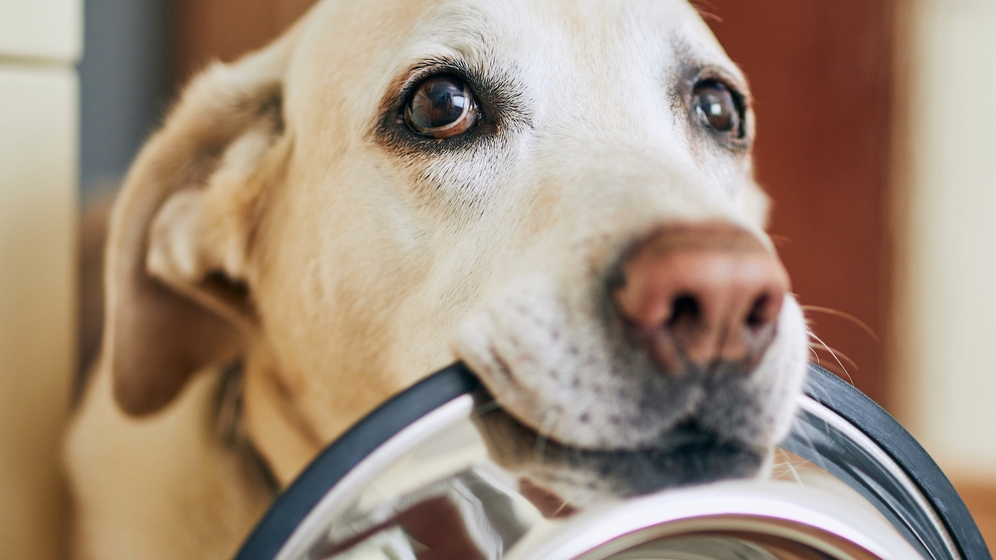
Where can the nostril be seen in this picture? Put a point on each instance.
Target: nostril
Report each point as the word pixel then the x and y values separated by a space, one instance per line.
pixel 764 311
pixel 684 309
pixel 759 313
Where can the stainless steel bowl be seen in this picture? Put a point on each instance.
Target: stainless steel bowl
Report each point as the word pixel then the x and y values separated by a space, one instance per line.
pixel 441 473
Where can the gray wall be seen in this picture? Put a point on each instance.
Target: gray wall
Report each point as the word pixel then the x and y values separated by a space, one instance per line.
pixel 124 81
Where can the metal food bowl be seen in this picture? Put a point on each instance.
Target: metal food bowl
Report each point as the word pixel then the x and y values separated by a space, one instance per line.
pixel 439 472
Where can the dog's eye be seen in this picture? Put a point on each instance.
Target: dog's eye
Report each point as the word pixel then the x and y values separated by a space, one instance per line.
pixel 717 108
pixel 442 107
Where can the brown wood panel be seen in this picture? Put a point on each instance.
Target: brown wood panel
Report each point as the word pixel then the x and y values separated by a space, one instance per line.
pixel 980 497
pixel 206 30
pixel 821 75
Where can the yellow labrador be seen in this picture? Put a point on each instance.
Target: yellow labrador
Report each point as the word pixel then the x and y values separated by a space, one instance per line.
pixel 557 192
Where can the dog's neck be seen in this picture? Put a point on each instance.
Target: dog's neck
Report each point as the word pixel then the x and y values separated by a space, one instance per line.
pixel 230 427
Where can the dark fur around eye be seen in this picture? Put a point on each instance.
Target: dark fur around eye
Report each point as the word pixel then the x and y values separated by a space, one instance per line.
pixel 500 108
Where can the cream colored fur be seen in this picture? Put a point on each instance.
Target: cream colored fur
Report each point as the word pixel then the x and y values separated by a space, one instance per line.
pixel 276 219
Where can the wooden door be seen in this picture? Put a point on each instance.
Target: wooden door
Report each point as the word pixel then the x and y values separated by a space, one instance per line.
pixel 206 30
pixel 821 77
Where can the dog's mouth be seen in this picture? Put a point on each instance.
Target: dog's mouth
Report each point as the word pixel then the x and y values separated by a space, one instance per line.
pixel 686 436
pixel 573 378
pixel 687 455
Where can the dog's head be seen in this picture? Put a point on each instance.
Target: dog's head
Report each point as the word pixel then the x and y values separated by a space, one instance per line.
pixel 557 192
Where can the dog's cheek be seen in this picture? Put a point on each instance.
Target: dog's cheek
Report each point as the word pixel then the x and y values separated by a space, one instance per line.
pixel 790 370
pixel 760 412
pixel 470 342
pixel 500 342
pixel 521 348
pixel 756 205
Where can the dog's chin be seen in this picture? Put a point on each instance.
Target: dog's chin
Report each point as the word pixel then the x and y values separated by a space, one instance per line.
pixel 686 455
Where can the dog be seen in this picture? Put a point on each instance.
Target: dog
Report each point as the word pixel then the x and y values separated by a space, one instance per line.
pixel 557 192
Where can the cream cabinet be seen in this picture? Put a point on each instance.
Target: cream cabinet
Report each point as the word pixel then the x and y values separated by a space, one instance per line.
pixel 947 313
pixel 40 42
pixel 41 29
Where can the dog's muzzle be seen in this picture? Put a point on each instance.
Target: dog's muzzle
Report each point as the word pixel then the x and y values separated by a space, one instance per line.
pixel 440 473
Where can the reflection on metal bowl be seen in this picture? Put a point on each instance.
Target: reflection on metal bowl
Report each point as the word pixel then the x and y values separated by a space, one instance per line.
pixel 441 473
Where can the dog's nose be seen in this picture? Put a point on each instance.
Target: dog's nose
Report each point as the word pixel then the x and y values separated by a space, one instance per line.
pixel 702 295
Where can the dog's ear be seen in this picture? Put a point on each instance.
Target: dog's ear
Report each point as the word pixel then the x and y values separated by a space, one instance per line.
pixel 178 250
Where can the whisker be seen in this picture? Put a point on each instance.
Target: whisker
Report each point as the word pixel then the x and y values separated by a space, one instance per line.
pixel 834 354
pixel 838 354
pixel 822 394
pixel 703 7
pixel 815 355
pixel 793 471
pixel 487 407
pixel 560 509
pixel 847 316
pixel 818 459
pixel 543 435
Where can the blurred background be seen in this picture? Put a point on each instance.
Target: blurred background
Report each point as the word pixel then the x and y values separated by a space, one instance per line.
pixel 875 140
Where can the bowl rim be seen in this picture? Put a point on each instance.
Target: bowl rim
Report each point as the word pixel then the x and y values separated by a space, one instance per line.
pixel 292 506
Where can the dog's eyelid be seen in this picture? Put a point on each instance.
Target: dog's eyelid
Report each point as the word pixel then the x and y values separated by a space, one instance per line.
pixel 737 86
pixel 418 73
pixel 492 86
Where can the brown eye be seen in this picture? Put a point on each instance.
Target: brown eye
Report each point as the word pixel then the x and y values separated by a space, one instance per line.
pixel 716 107
pixel 442 107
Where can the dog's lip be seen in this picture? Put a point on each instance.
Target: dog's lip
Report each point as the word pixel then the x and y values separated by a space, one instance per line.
pixel 686 435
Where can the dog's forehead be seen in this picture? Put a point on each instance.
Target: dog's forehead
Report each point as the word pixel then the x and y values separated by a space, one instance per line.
pixel 595 29
pixel 358 51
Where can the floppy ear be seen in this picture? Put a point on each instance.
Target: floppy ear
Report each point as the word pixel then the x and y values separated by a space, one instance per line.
pixel 177 254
